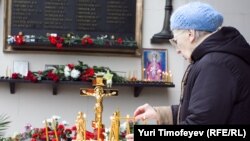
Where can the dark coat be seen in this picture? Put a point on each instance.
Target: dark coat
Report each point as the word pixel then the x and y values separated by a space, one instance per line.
pixel 217 89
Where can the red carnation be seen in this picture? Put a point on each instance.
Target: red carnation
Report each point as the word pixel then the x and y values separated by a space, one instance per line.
pixel 87 40
pixel 60 127
pixel 68 131
pixel 19 39
pixel 30 76
pixel 57 41
pixel 71 66
pixel 73 128
pixel 33 139
pixel 87 74
pixel 53 40
pixel 14 76
pixel 119 41
pixel 52 76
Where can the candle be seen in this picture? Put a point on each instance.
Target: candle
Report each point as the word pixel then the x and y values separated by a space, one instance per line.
pixel 98 136
pixel 129 75
pixel 6 72
pixel 144 74
pixel 111 128
pixel 166 76
pixel 84 130
pixel 163 76
pixel 170 77
pixel 99 130
pixel 144 120
pixel 46 130
pixel 54 126
pixel 128 127
pixel 10 73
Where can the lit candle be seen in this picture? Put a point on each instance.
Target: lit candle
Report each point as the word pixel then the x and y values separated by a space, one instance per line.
pixel 144 120
pixel 166 76
pixel 170 77
pixel 128 127
pixel 84 130
pixel 54 126
pixel 46 130
pixel 163 76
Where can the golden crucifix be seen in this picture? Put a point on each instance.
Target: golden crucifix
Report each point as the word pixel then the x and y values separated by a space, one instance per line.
pixel 99 93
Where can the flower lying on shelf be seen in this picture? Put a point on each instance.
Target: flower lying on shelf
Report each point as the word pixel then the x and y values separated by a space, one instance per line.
pixel 70 40
pixel 69 72
pixel 17 39
pixel 56 40
pixel 86 40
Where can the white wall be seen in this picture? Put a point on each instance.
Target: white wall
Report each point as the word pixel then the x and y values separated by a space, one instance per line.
pixel 32 103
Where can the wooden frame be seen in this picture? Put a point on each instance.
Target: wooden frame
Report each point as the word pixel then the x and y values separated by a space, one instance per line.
pixel 88 51
pixel 154 64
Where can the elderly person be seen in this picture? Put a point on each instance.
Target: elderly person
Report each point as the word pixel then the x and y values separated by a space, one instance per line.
pixel 216 85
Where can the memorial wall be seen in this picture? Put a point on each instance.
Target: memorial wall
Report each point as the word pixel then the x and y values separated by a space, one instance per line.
pixel 106 19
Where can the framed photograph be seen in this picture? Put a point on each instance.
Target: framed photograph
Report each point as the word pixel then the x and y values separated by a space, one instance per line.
pixel 154 64
pixel 21 67
pixel 51 67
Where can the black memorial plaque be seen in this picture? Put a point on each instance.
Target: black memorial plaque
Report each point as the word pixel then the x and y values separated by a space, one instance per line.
pixel 81 17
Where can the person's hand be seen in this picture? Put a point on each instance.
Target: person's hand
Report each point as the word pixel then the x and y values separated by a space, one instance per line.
pixel 130 137
pixel 145 112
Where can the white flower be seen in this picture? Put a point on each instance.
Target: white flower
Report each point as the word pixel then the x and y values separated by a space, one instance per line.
pixel 55 117
pixel 10 39
pixel 66 71
pixel 99 74
pixel 75 73
pixel 53 35
pixel 65 123
pixel 123 127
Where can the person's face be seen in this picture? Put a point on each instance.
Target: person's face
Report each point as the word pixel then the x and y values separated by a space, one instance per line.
pixel 183 43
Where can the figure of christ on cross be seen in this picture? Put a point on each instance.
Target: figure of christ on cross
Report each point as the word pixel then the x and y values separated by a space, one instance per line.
pixel 98 92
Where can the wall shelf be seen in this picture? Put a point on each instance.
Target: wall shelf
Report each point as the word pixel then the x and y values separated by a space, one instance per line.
pixel 137 85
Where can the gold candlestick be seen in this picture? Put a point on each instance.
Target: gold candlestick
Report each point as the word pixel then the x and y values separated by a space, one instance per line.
pixel 115 125
pixel 80 127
